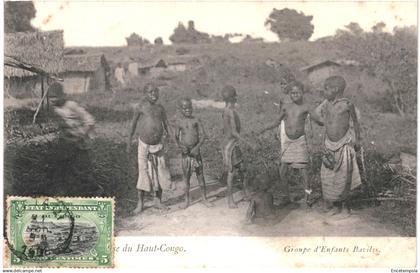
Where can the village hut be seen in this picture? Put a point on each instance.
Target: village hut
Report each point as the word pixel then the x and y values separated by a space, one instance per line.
pixel 152 67
pixel 86 72
pixel 41 52
pixel 318 72
pixel 181 63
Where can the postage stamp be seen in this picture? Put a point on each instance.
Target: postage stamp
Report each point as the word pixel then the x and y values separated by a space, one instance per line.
pixel 59 232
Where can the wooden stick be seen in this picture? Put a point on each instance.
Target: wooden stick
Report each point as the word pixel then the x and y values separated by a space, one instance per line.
pixel 39 105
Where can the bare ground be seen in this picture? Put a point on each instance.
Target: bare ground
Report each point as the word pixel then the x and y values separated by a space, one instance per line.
pixel 199 220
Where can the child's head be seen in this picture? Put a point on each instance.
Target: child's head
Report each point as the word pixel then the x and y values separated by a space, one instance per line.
pixel 229 94
pixel 185 105
pixel 334 86
pixel 56 94
pixel 262 182
pixel 296 91
pixel 152 92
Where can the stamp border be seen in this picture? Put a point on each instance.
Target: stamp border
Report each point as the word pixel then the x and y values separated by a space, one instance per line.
pixel 7 251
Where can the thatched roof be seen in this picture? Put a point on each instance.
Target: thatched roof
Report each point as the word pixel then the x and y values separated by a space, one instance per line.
pixel 157 62
pixel 41 49
pixel 318 65
pixel 84 62
pixel 15 63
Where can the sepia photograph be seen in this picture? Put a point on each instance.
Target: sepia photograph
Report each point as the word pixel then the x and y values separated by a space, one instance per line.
pixel 268 119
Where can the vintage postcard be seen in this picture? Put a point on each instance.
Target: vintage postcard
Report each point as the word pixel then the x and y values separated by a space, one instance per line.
pixel 282 130
pixel 59 232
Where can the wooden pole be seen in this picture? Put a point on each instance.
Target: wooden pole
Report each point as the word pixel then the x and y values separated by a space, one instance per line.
pixel 42 92
pixel 39 106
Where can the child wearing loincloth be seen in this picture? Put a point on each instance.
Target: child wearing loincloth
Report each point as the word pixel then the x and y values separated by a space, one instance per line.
pixel 153 174
pixel 339 171
pixel 232 156
pixel 189 137
pixel 294 146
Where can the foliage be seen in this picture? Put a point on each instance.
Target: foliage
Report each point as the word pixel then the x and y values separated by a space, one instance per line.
pixel 158 41
pixel 18 16
pixel 289 24
pixel 392 57
pixel 190 35
pixel 136 40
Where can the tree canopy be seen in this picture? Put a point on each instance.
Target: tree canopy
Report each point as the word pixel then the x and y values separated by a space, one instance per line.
pixel 18 16
pixel 392 57
pixel 289 24
pixel 190 35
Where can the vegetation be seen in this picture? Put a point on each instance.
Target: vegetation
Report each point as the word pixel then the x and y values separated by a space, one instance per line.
pixel 190 35
pixel 289 24
pixel 391 57
pixel 18 16
pixel 136 40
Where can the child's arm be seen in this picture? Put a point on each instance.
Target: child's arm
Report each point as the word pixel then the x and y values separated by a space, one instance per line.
pixel 176 133
pixel 137 113
pixel 235 133
pixel 165 122
pixel 356 125
pixel 202 135
pixel 87 119
pixel 274 124
pixel 315 117
pixel 309 133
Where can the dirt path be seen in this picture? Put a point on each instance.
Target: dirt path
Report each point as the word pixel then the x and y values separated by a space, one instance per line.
pixel 219 220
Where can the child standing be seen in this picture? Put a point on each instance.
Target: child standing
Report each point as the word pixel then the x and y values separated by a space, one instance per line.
pixel 339 171
pixel 154 175
pixel 294 145
pixel 232 156
pixel 190 136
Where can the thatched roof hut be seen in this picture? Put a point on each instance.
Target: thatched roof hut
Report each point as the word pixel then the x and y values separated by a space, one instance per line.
pixel 84 62
pixel 41 49
pixel 85 72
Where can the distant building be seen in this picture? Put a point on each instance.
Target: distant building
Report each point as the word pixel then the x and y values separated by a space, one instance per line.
pixel 41 52
pixel 318 72
pixel 181 63
pixel 133 69
pixel 87 72
pixel 152 67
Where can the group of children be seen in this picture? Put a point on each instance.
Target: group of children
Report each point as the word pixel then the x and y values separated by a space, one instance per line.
pixel 339 171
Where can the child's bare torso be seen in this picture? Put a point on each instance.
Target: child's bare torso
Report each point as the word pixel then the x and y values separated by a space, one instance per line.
pixel 189 134
pixel 150 123
pixel 295 116
pixel 337 119
pixel 231 121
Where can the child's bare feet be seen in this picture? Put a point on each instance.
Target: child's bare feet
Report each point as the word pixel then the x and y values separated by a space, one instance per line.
pixel 158 204
pixel 326 207
pixel 333 211
pixel 185 205
pixel 232 204
pixel 207 203
pixel 137 210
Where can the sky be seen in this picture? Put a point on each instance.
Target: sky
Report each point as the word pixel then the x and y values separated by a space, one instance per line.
pixel 108 22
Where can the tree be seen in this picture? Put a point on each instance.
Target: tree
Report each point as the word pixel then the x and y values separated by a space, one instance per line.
pixel 289 24
pixel 158 41
pixel 392 57
pixel 18 16
pixel 354 28
pixel 136 40
pixel 183 35
pixel 379 27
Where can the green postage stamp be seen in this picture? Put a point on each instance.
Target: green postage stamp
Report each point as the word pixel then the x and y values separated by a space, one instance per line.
pixel 59 232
